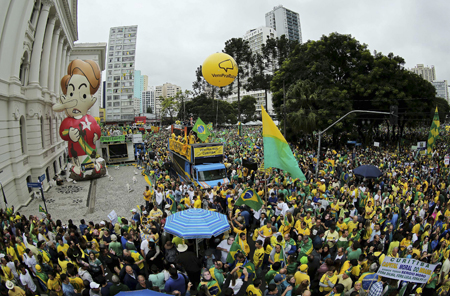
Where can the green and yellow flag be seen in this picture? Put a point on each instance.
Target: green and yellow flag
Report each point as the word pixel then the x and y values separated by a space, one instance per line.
pixel 235 248
pixel 201 129
pixel 277 153
pixel 239 129
pixel 210 126
pixel 213 287
pixel 41 210
pixel 434 133
pixel 250 198
pixel 170 200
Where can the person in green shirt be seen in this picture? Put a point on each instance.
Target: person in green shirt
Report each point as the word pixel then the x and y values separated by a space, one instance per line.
pixel 115 246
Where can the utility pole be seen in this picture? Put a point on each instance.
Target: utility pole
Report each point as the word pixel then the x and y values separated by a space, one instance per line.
pixel 322 132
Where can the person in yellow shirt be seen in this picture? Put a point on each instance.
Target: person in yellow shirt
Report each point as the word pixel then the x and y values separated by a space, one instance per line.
pixel 328 281
pixel 266 230
pixel 303 229
pixel 352 224
pixel 186 200
pixel 197 202
pixel 416 228
pixel 302 274
pixel 243 243
pixel 405 242
pixel 369 211
pixel 11 252
pixel 147 196
pixel 341 225
pixel 155 213
pixel 258 256
pixel 54 283
pixel 62 247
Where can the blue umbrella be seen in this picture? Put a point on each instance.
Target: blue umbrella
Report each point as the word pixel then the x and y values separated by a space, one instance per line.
pixel 196 223
pixel 141 293
pixel 368 171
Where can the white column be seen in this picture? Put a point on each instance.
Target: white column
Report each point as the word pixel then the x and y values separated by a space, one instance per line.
pixel 57 79
pixel 62 69
pixel 38 42
pixel 52 64
pixel 47 50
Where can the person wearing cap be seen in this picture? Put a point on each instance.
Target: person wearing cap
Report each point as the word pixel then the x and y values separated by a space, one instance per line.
pixel 135 216
pixel 282 284
pixel 95 289
pixel 115 246
pixel 302 274
pixel 190 262
pixel 14 290
pixel 42 277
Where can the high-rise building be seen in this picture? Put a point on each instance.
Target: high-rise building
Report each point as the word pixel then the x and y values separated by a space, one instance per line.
pixel 37 38
pixel 285 22
pixel 427 73
pixel 145 82
pixel 257 37
pixel 166 90
pixel 138 87
pixel 148 100
pixel 441 87
pixel 120 74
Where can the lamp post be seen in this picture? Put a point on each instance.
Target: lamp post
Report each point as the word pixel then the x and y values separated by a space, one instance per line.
pixel 322 132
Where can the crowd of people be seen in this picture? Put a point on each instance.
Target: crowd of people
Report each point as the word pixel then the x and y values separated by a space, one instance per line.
pixel 322 236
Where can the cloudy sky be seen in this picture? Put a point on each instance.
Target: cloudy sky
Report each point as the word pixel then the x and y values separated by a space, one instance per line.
pixel 175 37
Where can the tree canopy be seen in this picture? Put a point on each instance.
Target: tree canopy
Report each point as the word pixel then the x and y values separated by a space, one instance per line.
pixel 327 78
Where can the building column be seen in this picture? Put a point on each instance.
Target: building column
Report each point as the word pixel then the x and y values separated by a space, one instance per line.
pixel 56 78
pixel 38 42
pixel 52 64
pixel 47 50
pixel 62 67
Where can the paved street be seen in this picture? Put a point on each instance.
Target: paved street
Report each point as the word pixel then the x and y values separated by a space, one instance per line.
pixel 70 200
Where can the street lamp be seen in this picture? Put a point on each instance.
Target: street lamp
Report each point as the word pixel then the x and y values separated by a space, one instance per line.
pixel 321 132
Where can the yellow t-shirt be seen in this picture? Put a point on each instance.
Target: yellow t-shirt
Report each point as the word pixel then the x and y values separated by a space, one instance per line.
pixel 266 231
pixel 77 284
pixel 198 204
pixel 55 285
pixel 325 279
pixel 63 248
pixel 258 257
pixel 352 225
pixel 251 290
pixel 416 229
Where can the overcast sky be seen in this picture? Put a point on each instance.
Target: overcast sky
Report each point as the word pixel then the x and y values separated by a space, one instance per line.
pixel 175 37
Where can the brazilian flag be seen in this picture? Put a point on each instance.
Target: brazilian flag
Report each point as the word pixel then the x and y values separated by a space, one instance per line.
pixel 213 287
pixel 41 210
pixel 210 126
pixel 235 248
pixel 434 133
pixel 171 201
pixel 250 198
pixel 201 130
pixel 250 269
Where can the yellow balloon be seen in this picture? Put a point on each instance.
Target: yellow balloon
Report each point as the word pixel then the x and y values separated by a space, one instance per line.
pixel 219 69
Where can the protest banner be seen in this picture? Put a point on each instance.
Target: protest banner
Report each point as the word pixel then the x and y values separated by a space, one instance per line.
pixel 405 269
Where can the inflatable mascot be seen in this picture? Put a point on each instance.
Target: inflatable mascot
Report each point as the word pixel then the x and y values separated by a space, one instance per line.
pixel 79 128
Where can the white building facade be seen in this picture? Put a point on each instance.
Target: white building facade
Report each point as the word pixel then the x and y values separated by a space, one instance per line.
pixel 36 42
pixel 166 90
pixel 427 73
pixel 148 100
pixel 120 74
pixel 285 22
pixel 441 87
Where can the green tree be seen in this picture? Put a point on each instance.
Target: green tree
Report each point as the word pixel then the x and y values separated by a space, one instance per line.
pixel 240 50
pixel 248 108
pixel 169 106
pixel 182 98
pixel 200 106
pixel 149 109
pixel 329 77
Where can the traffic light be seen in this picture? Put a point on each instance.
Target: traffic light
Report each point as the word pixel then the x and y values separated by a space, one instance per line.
pixel 393 117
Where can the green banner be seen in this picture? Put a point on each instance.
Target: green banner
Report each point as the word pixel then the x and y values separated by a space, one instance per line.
pixel 113 139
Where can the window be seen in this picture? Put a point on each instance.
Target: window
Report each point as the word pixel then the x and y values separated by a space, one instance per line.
pixel 42 131
pixel 50 130
pixel 23 134
pixel 23 71
pixel 111 48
